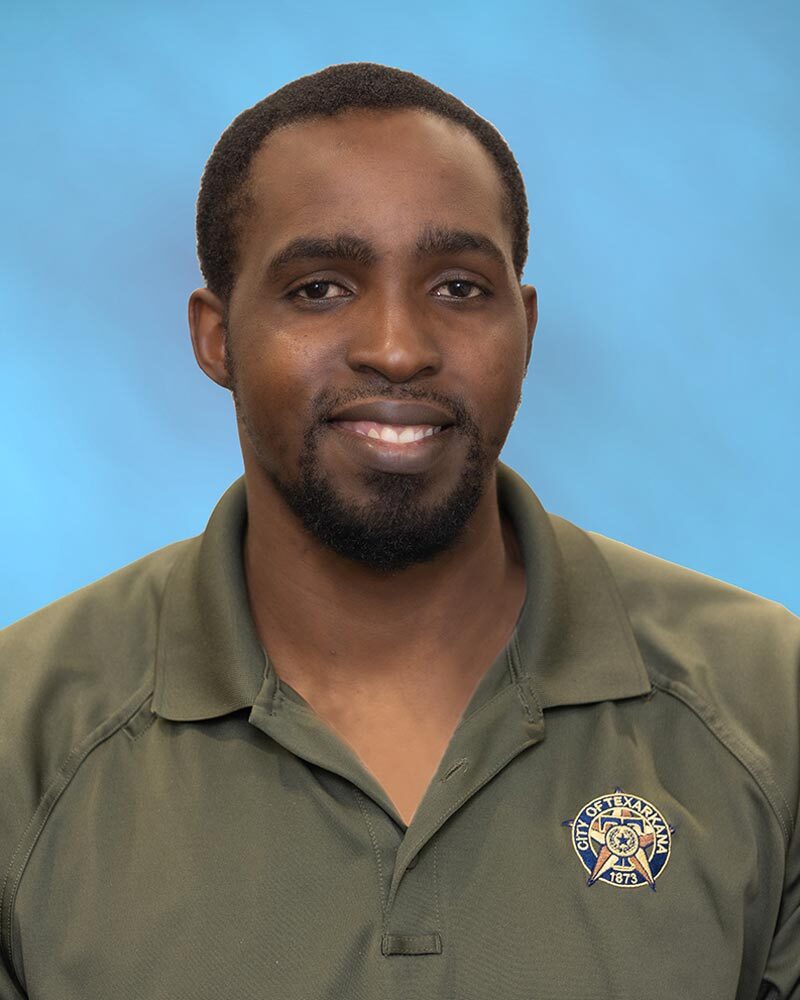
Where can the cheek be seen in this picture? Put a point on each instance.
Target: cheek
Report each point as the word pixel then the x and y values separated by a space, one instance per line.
pixel 500 371
pixel 276 377
pixel 278 369
pixel 500 390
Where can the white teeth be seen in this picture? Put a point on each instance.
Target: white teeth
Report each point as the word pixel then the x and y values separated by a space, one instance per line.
pixel 397 434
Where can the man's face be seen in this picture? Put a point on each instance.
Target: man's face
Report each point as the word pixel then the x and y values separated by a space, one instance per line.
pixel 377 334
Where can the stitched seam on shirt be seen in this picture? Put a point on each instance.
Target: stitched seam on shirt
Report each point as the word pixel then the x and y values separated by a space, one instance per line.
pixel 436 888
pixel 515 659
pixel 278 697
pixel 515 678
pixel 482 708
pixel 728 739
pixel 468 794
pixel 373 838
pixel 142 731
pixel 716 726
pixel 64 775
pixel 524 685
pixel 130 727
pixel 501 693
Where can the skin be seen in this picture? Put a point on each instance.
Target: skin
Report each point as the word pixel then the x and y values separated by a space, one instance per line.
pixel 388 660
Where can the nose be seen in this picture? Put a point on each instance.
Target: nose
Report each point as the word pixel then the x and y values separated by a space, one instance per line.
pixel 392 339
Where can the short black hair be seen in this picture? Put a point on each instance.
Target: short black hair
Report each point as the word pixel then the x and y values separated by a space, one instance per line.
pixel 223 193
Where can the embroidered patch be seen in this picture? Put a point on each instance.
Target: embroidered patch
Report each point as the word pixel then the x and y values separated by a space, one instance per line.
pixel 621 839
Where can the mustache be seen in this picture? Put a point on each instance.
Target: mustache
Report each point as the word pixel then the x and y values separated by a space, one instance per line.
pixel 327 401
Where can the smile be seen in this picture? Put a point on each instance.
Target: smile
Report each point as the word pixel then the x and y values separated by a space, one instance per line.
pixel 408 449
pixel 398 434
pixel 395 421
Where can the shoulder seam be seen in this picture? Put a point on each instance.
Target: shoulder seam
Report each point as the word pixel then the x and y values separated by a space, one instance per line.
pixel 758 771
pixel 38 821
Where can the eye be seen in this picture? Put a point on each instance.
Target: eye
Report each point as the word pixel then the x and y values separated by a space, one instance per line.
pixel 461 288
pixel 317 291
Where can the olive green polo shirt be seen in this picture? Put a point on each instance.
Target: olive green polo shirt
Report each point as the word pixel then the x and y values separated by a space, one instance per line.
pixel 615 815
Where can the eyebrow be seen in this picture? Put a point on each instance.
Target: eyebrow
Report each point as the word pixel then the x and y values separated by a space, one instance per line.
pixel 341 246
pixel 438 242
pixel 434 241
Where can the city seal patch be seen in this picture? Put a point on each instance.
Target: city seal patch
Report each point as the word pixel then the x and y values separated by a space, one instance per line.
pixel 621 839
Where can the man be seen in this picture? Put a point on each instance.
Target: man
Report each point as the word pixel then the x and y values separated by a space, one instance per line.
pixel 388 728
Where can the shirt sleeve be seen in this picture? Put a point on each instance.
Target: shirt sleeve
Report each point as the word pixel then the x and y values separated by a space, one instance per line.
pixel 781 979
pixel 9 990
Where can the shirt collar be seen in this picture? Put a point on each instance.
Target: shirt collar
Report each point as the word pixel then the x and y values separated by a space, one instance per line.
pixel 573 634
pixel 573 638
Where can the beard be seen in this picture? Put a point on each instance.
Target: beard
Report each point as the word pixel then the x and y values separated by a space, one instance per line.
pixel 395 528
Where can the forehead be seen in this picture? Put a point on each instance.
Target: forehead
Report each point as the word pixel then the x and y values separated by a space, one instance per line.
pixel 382 174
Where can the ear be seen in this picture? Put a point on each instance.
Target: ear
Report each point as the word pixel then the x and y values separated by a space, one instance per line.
pixel 207 327
pixel 531 302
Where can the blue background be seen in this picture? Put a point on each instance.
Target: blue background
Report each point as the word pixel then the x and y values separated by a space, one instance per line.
pixel 659 144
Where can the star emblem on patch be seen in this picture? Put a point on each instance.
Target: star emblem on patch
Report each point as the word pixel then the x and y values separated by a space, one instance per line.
pixel 621 839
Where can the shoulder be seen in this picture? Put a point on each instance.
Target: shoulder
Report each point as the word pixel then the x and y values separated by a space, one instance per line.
pixel 731 656
pixel 69 668
pixel 714 630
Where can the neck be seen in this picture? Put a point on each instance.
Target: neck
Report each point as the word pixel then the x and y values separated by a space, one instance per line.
pixel 324 619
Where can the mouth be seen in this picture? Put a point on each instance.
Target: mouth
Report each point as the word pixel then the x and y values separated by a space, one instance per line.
pixel 396 436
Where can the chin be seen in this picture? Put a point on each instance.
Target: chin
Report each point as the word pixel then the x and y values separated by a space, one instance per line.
pixel 383 520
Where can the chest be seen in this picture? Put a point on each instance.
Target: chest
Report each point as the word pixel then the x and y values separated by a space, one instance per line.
pixel 222 864
pixel 400 745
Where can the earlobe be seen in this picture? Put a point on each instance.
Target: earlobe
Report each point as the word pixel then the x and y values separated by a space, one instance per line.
pixel 531 302
pixel 208 333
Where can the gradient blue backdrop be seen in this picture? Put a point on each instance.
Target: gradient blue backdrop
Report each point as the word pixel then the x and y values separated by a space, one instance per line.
pixel 659 143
